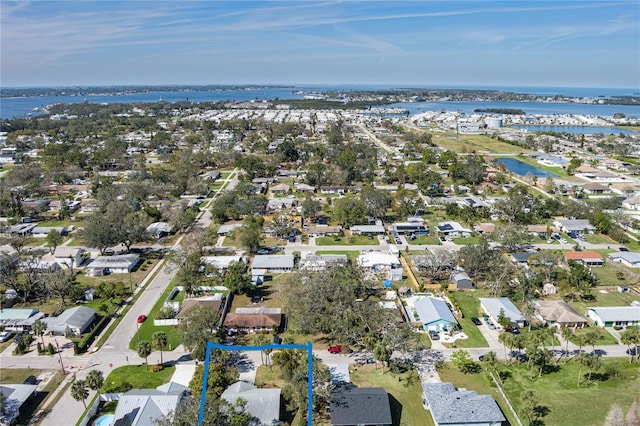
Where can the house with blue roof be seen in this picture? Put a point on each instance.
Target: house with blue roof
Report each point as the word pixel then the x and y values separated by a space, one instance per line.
pixel 434 314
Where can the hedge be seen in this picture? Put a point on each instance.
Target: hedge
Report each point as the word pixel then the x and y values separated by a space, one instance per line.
pixel 81 346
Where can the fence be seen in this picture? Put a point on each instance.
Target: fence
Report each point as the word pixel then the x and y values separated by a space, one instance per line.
pixel 504 396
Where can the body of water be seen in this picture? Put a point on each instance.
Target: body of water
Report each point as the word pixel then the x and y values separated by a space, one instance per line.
pixel 531 108
pixel 521 168
pixel 23 106
pixel 587 130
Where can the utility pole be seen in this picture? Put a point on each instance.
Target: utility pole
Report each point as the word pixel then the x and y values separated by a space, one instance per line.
pixel 60 355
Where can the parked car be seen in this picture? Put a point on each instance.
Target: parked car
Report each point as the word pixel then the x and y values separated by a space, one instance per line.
pixel 434 335
pixel 491 325
pixel 5 335
pixel 476 321
pixel 623 249
pixel 19 336
pixel 31 380
pixel 141 319
pixel 336 349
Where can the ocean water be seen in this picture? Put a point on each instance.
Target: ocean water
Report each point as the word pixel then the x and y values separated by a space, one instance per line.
pixel 23 106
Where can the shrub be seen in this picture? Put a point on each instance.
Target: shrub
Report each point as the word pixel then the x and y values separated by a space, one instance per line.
pixel 40 350
pixel 156 368
pixel 50 349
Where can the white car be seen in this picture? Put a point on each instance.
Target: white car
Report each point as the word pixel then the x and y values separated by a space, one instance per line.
pixel 563 241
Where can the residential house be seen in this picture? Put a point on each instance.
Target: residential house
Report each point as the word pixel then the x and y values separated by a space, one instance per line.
pixel 72 321
pixel 337 190
pixel 627 258
pixel 351 405
pixel 453 229
pixel 280 189
pixel 494 306
pixel 254 320
pixel 451 407
pixel 219 263
pixel 632 203
pixel 595 188
pixel 368 229
pixel 273 263
pixel 541 231
pixel 223 230
pixel 375 262
pixel 577 226
pixel 22 229
pixel 461 279
pixel 303 187
pixel 119 264
pixel 43 231
pixel 281 203
pixel 558 313
pixel 413 227
pixel 323 230
pixel 262 404
pixel 159 229
pixel 19 319
pixel 521 259
pixel 211 175
pixel 485 228
pixel 69 256
pixel 612 316
pixel 143 407
pixel 434 314
pixel 320 262
pixel 587 258
pixel 13 397
pixel 39 265
pixel 214 302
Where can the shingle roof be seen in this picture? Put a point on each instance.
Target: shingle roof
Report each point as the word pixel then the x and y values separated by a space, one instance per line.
pixel 577 255
pixel 262 404
pixel 353 406
pixel 430 310
pixel 450 406
pixel 559 311
pixel 495 304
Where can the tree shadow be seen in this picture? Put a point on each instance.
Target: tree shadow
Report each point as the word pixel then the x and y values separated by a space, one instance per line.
pixel 396 410
pixel 550 368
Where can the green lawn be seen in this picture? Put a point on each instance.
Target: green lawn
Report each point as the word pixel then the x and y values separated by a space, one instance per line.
pixel 466 241
pixel 406 404
pixel 599 239
pixel 146 329
pixel 351 255
pixel 605 337
pixel 16 375
pixel 611 297
pixel 569 404
pixel 354 240
pixel 424 240
pixel 139 376
pixel 470 305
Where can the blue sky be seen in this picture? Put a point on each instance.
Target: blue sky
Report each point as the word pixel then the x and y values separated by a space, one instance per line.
pixel 514 43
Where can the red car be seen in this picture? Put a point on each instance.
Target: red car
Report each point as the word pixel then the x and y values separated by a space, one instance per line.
pixel 335 349
pixel 141 318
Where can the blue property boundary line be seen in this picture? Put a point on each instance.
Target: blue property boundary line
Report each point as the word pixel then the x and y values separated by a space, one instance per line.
pixel 308 347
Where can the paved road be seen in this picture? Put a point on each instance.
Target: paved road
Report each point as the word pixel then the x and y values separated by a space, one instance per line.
pixel 115 352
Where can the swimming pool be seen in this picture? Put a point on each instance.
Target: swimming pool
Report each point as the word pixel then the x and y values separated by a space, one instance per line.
pixel 105 420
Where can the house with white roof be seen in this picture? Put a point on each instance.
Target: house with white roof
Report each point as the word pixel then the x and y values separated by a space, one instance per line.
pixel 632 203
pixel 627 258
pixel 273 263
pixel 220 263
pixel 368 229
pixel 320 262
pixel 120 264
pixel 612 316
pixel 493 306
pixel 579 226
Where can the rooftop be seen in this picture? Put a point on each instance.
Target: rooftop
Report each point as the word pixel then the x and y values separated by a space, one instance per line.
pixel 451 406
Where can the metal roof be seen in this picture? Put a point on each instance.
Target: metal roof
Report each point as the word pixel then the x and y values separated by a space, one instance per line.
pixel 431 309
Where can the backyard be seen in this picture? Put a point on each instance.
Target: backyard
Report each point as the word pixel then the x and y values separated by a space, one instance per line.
pixel 138 376
pixel 470 307
pixel 354 240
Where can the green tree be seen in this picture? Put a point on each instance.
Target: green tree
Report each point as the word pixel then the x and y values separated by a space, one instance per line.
pixel 376 201
pixel 79 391
pixel 237 280
pixel 529 405
pixel 382 352
pixel 250 233
pixel 95 380
pixel 144 350
pixel 159 339
pixel 261 339
pixel 462 360
pixel 349 211
pixel 198 327
pixel 54 239
pixel 567 334
pixel 39 328
pixel 503 320
pixel 310 207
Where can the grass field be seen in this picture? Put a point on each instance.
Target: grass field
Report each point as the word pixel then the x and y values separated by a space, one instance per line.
pixel 406 401
pixel 470 306
pixel 351 255
pixel 146 329
pixel 354 240
pixel 605 337
pixel 466 241
pixel 610 297
pixel 139 376
pixel 567 404
pixel 430 240
pixel 470 143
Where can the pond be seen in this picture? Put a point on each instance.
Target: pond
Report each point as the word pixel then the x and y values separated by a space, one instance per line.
pixel 521 168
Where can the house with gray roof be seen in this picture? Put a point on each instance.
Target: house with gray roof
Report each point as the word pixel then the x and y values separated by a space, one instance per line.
pixel 627 258
pixel 13 398
pixel 143 407
pixel 461 279
pixel 612 316
pixel 359 406
pixel 367 229
pixel 434 314
pixel 120 264
pixel 579 226
pixel 452 407
pixel 492 306
pixel 320 262
pixel 521 259
pixel 262 404
pixel 273 263
pixel 75 320
pixel 225 229
pixel 19 319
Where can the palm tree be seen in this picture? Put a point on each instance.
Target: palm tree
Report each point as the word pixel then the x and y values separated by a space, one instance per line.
pixel 160 342
pixel 629 338
pixel 490 359
pixel 507 341
pixel 582 359
pixel 567 334
pixel 39 328
pixel 79 391
pixel 95 380
pixel 144 350
pixel 382 352
pixel 591 337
